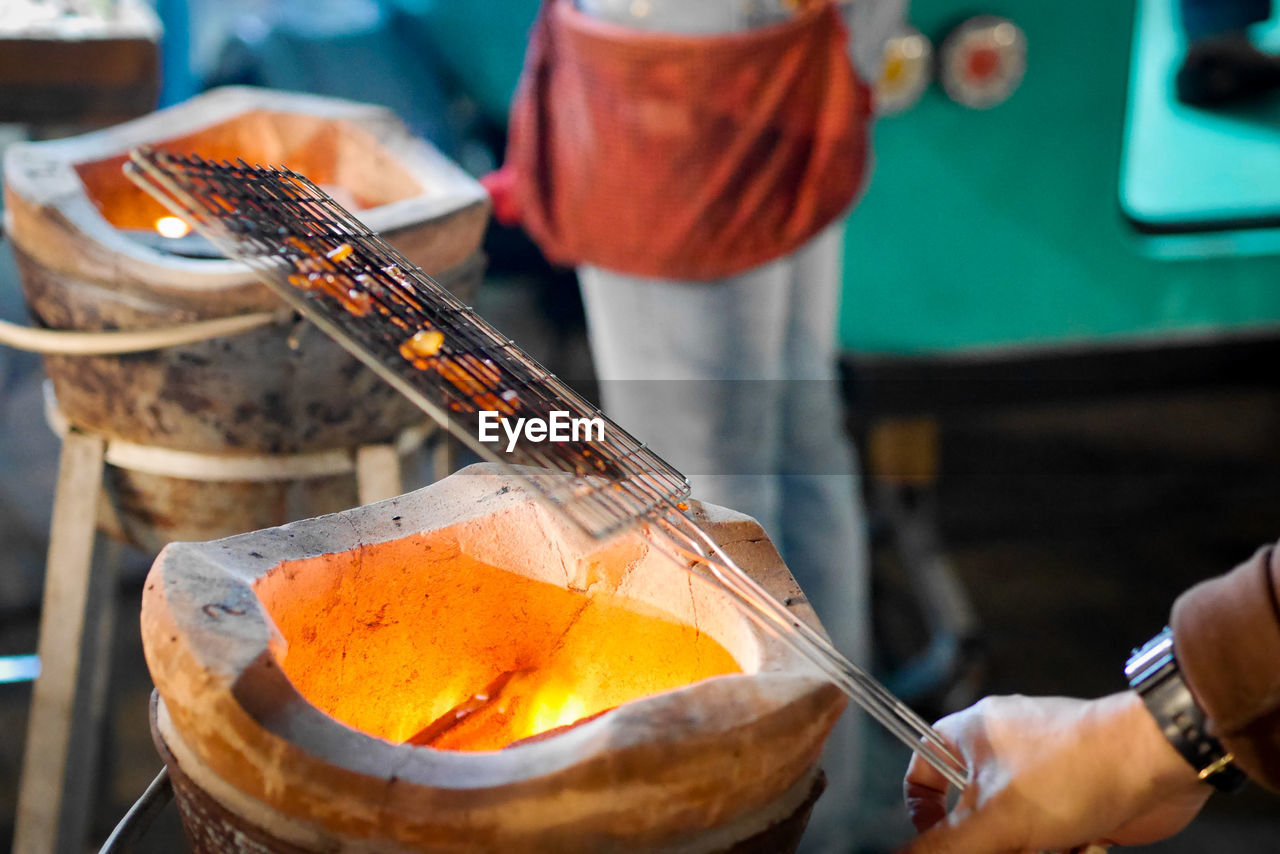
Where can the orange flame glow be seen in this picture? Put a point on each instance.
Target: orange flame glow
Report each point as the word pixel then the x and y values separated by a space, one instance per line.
pixel 413 643
pixel 172 227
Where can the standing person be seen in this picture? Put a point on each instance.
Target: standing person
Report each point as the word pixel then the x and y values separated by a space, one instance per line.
pixel 693 159
pixel 1050 773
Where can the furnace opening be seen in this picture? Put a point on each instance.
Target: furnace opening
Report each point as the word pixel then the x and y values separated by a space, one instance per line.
pixel 413 640
pixel 348 162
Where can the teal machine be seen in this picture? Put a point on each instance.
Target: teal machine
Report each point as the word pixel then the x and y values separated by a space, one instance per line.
pixel 1086 237
pixel 1083 212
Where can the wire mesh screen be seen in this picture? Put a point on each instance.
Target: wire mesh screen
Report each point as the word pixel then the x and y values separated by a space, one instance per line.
pixel 417 336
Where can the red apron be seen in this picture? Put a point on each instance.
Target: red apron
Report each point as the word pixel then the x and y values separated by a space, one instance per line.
pixel 684 157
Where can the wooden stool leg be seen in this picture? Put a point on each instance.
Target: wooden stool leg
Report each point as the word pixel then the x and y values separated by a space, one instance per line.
pixel 377 473
pixel 66 704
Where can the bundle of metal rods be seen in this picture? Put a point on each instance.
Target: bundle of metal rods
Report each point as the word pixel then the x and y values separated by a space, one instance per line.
pixel 413 332
pixel 417 336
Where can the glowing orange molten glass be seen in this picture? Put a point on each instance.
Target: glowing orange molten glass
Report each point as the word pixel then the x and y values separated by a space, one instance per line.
pixel 172 227
pixel 346 160
pixel 396 638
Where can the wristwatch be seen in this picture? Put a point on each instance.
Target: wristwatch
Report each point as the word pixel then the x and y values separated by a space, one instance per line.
pixel 1153 672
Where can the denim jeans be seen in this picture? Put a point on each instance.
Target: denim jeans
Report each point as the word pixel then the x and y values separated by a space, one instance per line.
pixel 734 382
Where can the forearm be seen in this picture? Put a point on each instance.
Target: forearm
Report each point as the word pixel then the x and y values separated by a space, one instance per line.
pixel 1227 640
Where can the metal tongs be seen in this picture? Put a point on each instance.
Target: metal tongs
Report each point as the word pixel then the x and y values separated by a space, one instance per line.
pixel 417 336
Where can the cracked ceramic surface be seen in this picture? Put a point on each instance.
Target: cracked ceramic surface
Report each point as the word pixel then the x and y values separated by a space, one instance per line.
pixel 694 768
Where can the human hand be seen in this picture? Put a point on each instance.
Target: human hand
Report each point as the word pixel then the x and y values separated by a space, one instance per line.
pixel 1051 773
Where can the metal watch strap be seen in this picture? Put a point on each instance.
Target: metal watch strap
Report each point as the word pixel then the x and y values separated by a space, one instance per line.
pixel 1153 672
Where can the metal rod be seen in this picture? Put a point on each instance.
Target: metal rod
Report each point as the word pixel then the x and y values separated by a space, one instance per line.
pixel 688 545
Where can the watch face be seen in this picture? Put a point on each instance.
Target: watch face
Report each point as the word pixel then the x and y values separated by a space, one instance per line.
pixel 905 72
pixel 982 61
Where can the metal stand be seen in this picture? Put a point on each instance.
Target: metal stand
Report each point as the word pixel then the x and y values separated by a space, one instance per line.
pixel 76 625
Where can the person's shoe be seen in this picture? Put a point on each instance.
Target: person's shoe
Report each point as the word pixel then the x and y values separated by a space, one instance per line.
pixel 1226 69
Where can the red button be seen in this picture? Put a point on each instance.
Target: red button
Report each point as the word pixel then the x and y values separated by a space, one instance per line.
pixel 982 62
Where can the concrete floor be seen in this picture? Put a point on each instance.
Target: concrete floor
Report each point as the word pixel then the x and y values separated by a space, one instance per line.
pixel 1072 527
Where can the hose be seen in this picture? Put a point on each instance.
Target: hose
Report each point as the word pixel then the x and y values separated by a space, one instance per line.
pixel 60 342
pixel 138 819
